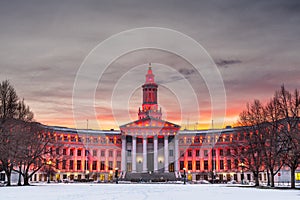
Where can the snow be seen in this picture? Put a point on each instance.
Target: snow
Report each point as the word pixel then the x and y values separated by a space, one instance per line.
pixel 142 191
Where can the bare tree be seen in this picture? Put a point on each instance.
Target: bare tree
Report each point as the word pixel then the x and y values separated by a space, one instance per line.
pixel 8 100
pixel 34 150
pixel 290 106
pixel 274 139
pixel 23 112
pixel 249 149
pixel 7 140
pixel 10 108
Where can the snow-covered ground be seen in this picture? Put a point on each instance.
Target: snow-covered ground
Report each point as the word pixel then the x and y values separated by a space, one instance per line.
pixel 142 191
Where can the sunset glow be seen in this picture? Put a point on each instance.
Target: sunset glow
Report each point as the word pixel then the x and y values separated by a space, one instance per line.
pixel 254 47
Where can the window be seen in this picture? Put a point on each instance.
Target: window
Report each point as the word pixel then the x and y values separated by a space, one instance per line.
pixel 71 152
pixel 57 151
pixel 94 167
pixel 189 141
pixel 205 153
pixel 236 163
pixel 118 153
pixel 197 152
pixel 171 152
pixel 79 152
pixel 189 153
pixel 228 152
pixel 190 165
pixel 94 152
pixel 110 153
pixel 66 139
pixel 64 152
pixel 88 140
pixel 102 153
pixel 221 164
pixel 181 165
pixel 73 139
pixel 221 152
pixel 111 140
pixel 229 164
pixel 197 165
pixel 205 165
pixel 78 164
pixel 119 164
pixel 86 152
pixel 102 165
pixel 64 163
pixel 110 165
pixel 95 140
pixel 71 164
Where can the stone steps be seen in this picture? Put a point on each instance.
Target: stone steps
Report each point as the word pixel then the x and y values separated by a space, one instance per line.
pixel 150 177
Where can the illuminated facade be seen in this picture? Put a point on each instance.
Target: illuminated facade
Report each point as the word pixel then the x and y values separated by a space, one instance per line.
pixel 148 145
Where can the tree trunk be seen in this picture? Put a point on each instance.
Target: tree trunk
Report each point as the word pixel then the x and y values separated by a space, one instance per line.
pixel 272 178
pixel 268 177
pixel 256 179
pixel 26 179
pixel 293 177
pixel 19 181
pixel 8 175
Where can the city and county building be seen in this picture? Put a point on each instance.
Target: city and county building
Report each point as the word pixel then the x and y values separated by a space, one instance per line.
pixel 146 149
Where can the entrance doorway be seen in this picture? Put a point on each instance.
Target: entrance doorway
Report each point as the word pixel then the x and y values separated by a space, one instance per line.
pixel 171 167
pixel 150 161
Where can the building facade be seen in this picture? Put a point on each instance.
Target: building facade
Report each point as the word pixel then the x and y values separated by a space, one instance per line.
pixel 147 145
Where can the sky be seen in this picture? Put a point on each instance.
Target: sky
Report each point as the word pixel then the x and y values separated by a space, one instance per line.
pixel 46 46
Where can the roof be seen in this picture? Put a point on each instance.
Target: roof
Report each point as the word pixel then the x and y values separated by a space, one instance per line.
pixel 153 123
pixel 118 132
pixel 83 131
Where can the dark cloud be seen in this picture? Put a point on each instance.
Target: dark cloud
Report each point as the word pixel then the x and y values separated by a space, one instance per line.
pixel 43 43
pixel 226 63
pixel 186 72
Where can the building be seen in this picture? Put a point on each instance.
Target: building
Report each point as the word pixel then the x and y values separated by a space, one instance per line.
pixel 148 145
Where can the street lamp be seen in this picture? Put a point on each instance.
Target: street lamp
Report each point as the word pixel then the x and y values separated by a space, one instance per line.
pixel 49 163
pixel 184 181
pixel 242 165
pixel 116 174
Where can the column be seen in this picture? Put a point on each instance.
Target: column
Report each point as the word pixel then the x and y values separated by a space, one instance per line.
pixel 123 154
pixel 166 151
pixel 155 154
pixel 176 163
pixel 145 154
pixel 133 154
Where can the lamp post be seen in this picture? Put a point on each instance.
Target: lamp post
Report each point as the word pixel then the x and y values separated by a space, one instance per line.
pixel 242 165
pixel 212 165
pixel 184 180
pixel 49 163
pixel 116 174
